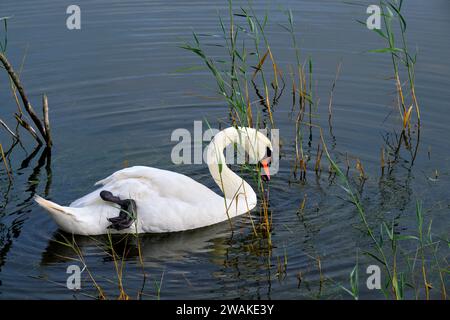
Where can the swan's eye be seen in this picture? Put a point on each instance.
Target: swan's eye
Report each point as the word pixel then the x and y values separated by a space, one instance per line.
pixel 268 152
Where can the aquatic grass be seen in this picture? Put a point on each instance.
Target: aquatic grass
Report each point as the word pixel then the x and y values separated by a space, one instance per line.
pixel 118 265
pixel 333 87
pixel 233 76
pixel 282 266
pixel 247 53
pixel 353 291
pixel 354 282
pixel 403 61
pixel 354 199
pixel 226 81
pixel 304 90
pixel 264 228
pixel 382 160
pixel 360 169
pixel 108 247
pixel 425 241
pixel 158 286
pixel 72 244
pixel 396 278
pixel 316 264
pixel 141 259
pixel 420 221
pixel 317 165
pixel 301 209
pixel 261 27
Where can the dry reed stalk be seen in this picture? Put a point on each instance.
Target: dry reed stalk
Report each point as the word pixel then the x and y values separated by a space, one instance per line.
pixel 249 107
pixel 276 71
pixel 301 210
pixel 302 169
pixel 400 95
pixel 317 166
pixel 269 109
pixel 330 104
pixel 407 118
pixel 360 168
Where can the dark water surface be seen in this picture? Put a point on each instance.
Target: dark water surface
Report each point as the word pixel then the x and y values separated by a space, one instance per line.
pixel 116 95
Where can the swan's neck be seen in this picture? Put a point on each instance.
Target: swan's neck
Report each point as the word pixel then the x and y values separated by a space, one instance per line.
pixel 237 192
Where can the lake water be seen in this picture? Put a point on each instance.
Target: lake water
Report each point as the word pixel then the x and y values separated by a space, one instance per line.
pixel 116 93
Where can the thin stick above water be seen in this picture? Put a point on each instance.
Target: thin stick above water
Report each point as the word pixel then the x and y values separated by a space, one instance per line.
pixel 46 120
pixel 4 125
pixel 26 103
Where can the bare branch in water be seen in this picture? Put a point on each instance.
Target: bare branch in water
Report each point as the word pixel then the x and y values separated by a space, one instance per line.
pixel 26 103
pixel 4 125
pixel 46 120
pixel 29 128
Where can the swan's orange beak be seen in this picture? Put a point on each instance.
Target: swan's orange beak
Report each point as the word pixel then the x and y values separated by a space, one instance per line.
pixel 265 165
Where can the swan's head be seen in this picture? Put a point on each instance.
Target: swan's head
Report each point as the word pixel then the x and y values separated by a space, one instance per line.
pixel 258 147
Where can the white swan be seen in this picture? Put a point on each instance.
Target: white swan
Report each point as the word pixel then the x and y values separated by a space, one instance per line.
pixel 165 201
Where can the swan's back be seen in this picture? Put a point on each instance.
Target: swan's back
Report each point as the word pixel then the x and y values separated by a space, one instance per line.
pixel 140 182
pixel 166 201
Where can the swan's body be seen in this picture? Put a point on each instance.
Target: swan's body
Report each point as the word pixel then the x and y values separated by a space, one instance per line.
pixel 167 201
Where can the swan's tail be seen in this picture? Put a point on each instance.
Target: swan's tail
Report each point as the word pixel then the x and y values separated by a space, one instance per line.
pixel 53 208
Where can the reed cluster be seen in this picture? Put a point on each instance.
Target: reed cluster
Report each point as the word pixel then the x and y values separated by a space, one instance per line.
pixel 392 254
pixel 249 86
pixel 116 248
pixel 394 34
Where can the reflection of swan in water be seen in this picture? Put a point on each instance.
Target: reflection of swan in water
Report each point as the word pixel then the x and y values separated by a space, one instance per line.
pixel 167 247
pixel 197 263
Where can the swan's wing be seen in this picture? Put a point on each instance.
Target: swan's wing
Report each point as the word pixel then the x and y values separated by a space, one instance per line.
pixel 143 183
pixel 137 172
pixel 123 183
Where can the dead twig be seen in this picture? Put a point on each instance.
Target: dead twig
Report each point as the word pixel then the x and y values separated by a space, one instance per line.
pixel 26 103
pixel 46 120
pixel 4 125
pixel 29 128
pixel 8 171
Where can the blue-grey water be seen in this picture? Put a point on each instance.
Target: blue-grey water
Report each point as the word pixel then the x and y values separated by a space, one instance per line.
pixel 116 92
